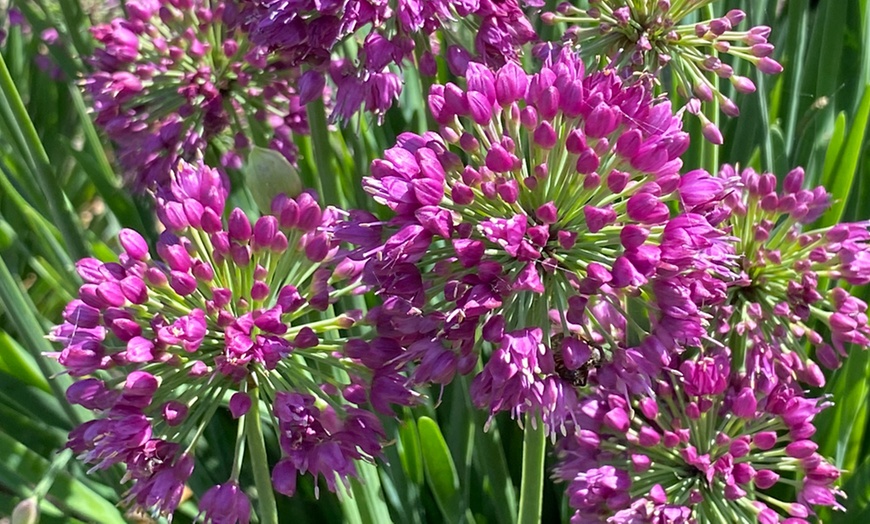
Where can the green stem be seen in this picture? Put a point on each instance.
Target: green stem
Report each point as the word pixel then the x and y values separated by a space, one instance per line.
pixel 60 209
pixel 239 452
pixel 259 461
pixel 54 469
pixel 72 17
pixel 534 446
pixel 325 176
pixel 710 151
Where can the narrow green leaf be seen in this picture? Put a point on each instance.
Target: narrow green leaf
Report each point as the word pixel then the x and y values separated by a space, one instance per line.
pixel 440 469
pixel 849 386
pixel 21 312
pixel 20 464
pixel 835 150
pixel 38 404
pixel 857 501
pixel 96 165
pixel 845 170
pixel 796 49
pixel 493 464
pixel 368 495
pixel 45 232
pixel 16 361
pixel 409 450
pixel 41 438
pixel 326 178
pixel 59 207
pixel 349 507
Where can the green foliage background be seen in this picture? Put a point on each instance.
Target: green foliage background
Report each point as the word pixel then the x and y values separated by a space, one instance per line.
pixel 60 200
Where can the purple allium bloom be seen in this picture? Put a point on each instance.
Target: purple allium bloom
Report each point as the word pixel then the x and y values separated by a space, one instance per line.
pixel 172 78
pixel 706 444
pixel 310 33
pixel 779 259
pixel 314 440
pixel 229 302
pixel 225 504
pixel 649 38
pixel 557 220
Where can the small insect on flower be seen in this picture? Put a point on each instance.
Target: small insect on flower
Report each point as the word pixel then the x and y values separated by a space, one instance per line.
pixel 576 376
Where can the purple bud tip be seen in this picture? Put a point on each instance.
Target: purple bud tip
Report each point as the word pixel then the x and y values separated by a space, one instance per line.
pixel 735 16
pixel 547 213
pixel 743 84
pixel 134 244
pixel 769 66
pixel 499 160
pixel 240 404
pixel 712 133
pixel 239 226
pixel 794 180
pixel 174 412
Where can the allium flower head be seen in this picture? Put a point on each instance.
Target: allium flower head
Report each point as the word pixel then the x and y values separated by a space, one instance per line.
pixel 646 36
pixel 232 309
pixel 173 77
pixel 542 200
pixel 706 445
pixel 782 266
pixel 388 32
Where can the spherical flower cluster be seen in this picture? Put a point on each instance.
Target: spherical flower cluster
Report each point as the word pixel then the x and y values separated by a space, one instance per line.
pixel 646 36
pixel 312 33
pixel 172 78
pixel 233 313
pixel 782 266
pixel 706 444
pixel 542 201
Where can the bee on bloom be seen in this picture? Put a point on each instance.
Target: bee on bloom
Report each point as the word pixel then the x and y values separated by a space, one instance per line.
pixel 540 210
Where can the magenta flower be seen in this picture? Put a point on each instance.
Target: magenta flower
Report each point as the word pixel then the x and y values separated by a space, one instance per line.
pixel 779 260
pixel 707 444
pixel 225 503
pixel 557 220
pixel 647 37
pixel 311 33
pixel 172 78
pixel 157 346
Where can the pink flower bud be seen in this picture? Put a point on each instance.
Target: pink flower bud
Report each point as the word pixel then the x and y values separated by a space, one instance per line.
pixel 647 209
pixel 617 419
pixel 306 338
pixel 766 479
pixel 240 404
pixel 769 66
pixel 745 404
pixel 547 213
pixel 239 227
pixel 511 83
pixel 499 160
pixel 134 244
pixel 801 449
pixel 545 135
pixel 597 218
pixel 174 412
pixel 764 440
